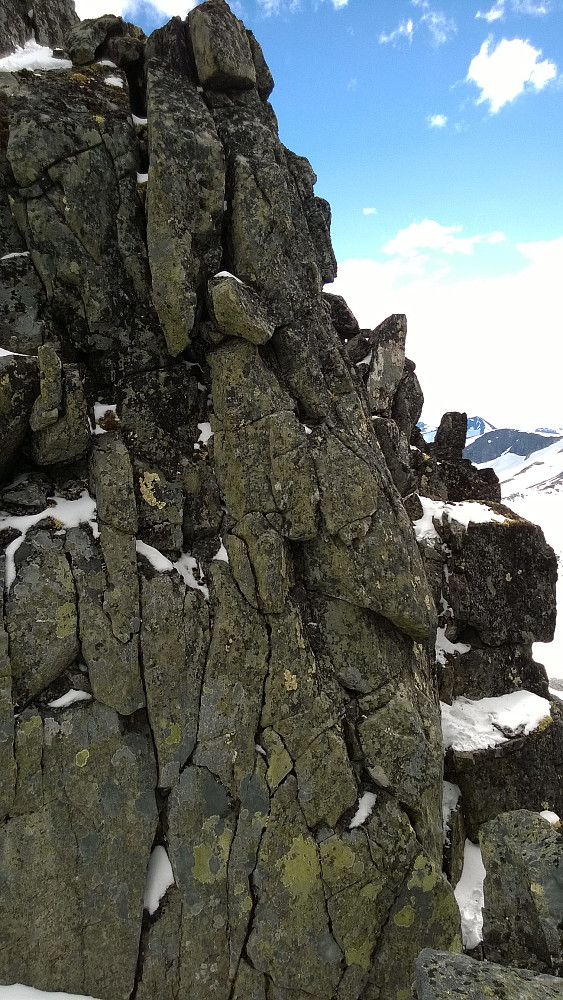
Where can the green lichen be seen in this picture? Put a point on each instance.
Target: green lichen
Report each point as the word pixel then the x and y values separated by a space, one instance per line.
pixel 299 867
pixel 405 917
pixel 28 727
pixel 175 735
pixel 65 620
pixel 423 875
pixel 81 758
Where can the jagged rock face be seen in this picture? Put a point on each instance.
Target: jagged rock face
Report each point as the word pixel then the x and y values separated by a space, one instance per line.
pixel 234 709
pixel 439 976
pixel 205 540
pixel 47 21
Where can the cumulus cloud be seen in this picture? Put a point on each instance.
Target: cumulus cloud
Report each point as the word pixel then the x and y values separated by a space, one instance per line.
pixel 431 235
pixel 152 13
pixel 290 6
pixel 437 121
pixel 504 71
pixel 369 211
pixel 403 30
pixel 496 13
pixel 472 339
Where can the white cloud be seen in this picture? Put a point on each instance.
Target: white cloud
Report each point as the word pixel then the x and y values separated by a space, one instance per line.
pixel 487 345
pixel 127 8
pixel 437 121
pixel 496 13
pixel 441 28
pixel 502 73
pixel 403 30
pixel 431 235
pixel 369 211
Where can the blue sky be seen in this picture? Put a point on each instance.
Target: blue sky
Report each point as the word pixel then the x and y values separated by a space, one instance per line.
pixel 435 130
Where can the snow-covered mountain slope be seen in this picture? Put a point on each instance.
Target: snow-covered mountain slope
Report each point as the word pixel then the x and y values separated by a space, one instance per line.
pixel 533 487
pixel 492 444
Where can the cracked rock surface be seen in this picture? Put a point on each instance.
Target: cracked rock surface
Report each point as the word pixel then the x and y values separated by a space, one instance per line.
pixel 218 628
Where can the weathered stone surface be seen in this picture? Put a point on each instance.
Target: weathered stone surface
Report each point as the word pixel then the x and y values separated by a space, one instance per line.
pixel 450 437
pixel 237 310
pixel 221 47
pixel 186 186
pixel 113 662
pixel 59 435
pixel 51 21
pixel 41 618
pixel 161 948
pixel 264 78
pixel 112 475
pixel 395 447
pixel 22 300
pixel 174 639
pixel 18 388
pixel 291 937
pixel 464 482
pixel 7 759
pixel 523 773
pixel 523 857
pixel 91 871
pixel 489 573
pixel 92 39
pixel 439 975
pixel 387 362
pixel 342 317
pixel 488 671
pixel 15 27
pixel 407 402
pixel 28 752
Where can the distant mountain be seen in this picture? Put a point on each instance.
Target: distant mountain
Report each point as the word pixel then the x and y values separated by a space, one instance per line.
pixel 507 440
pixel 475 427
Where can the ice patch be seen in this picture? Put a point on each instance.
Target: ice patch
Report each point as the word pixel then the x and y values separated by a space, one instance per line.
pixel 33 57
pixel 71 513
pixel 114 81
pixel 469 895
pixel 364 810
pixel 159 878
pixel 476 725
pixel 70 698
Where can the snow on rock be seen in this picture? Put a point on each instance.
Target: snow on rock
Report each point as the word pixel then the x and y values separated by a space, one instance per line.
pixel 366 360
pixel 443 646
pixel 465 512
pixel 158 561
pixel 18 253
pixel 142 178
pixel 33 57
pixel 450 798
pixel 100 410
pixel 187 566
pixel 227 274
pixel 139 121
pixel 159 878
pixel 551 817
pixel 469 895
pixel 114 81
pixel 20 992
pixel 70 514
pixel 70 698
pixel 476 725
pixel 365 807
pixel 205 432
pixel 221 555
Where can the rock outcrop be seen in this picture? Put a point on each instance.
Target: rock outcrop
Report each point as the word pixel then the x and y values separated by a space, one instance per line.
pixel 218 632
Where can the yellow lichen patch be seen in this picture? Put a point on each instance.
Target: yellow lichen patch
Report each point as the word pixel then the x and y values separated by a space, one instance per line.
pixel 65 620
pixel 290 681
pixel 204 853
pixel 299 867
pixel 81 758
pixel 175 734
pixel 100 119
pixel 423 875
pixel 79 77
pixel 147 483
pixel 405 917
pixel 359 955
pixel 403 995
pixel 544 723
pixel 29 725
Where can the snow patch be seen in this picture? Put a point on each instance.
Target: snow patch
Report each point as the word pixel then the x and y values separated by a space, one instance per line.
pixel 476 725
pixel 187 566
pixel 205 432
pixel 444 646
pixel 100 410
pixel 306 429
pixel 139 121
pixel 70 698
pixel 466 512
pixel 551 817
pixel 142 178
pixel 364 810
pixel 221 555
pixel 159 879
pixel 469 895
pixel 227 274
pixel 19 253
pixel 33 57
pixel 450 798
pixel 114 81
pixel 366 360
pixel 158 561
pixel 20 992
